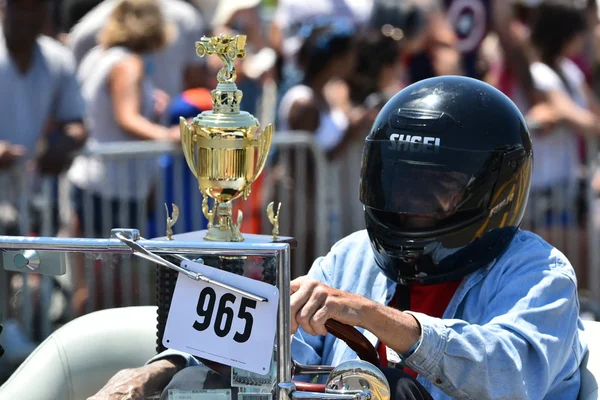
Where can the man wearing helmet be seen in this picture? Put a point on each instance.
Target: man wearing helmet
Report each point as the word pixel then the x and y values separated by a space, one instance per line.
pixel 443 280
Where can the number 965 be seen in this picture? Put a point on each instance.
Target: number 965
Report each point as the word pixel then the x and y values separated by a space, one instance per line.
pixel 225 314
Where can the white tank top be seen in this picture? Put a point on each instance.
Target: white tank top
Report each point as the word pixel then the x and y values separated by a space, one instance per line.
pixel 122 179
pixel 333 123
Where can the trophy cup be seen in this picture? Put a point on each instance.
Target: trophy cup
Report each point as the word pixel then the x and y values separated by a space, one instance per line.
pixel 223 147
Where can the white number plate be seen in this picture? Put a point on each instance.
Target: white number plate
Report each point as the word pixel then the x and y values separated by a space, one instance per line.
pixel 217 324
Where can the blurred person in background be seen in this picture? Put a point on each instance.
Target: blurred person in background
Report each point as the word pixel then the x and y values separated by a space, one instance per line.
pixel 321 105
pixel 242 17
pixel 378 73
pixel 404 21
pixel 557 34
pixel 176 67
pixel 41 112
pixel 438 53
pixel 586 58
pixel 187 105
pixel 498 71
pixel 457 29
pixel 117 86
pixel 377 77
pixel 291 15
pixel 41 127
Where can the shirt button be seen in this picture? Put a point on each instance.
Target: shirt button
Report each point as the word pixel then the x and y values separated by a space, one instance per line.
pixel 438 381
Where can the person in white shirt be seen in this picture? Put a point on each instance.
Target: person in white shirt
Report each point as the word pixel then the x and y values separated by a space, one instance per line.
pixel 41 98
pixel 120 96
pixel 41 114
pixel 177 67
pixel 557 34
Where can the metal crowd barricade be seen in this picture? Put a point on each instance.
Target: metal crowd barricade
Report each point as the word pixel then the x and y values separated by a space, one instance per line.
pixel 593 221
pixel 566 214
pixel 94 281
pixel 28 205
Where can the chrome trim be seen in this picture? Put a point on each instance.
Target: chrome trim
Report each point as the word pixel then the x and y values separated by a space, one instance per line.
pixel 289 389
pixel 302 369
pixel 284 353
pixel 157 246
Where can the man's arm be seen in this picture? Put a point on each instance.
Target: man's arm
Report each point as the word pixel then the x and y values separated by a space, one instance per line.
pixel 64 132
pixel 527 344
pixel 10 154
pixel 137 383
pixel 513 49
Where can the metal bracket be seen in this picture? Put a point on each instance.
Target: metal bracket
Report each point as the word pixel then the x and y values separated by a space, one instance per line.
pixel 289 390
pixel 301 369
pixel 34 261
pixel 130 237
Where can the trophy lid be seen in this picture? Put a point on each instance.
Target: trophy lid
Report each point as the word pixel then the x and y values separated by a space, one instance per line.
pixel 226 97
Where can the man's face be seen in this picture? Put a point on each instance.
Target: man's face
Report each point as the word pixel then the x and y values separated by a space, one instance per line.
pixel 24 20
pixel 428 197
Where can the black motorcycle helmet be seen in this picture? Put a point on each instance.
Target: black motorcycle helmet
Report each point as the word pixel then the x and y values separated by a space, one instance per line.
pixel 445 177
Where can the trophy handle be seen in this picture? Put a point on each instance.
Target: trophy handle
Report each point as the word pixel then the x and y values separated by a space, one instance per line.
pixel 264 144
pixel 208 213
pixel 187 142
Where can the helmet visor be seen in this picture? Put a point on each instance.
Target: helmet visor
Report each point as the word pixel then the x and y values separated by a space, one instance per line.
pixel 425 182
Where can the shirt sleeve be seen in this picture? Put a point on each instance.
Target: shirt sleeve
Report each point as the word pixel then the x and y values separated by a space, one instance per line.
pixel 308 349
pixel 70 106
pixel 573 72
pixel 544 78
pixel 189 360
pixel 529 342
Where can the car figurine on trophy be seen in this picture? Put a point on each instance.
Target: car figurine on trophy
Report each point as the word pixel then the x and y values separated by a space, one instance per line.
pixel 223 296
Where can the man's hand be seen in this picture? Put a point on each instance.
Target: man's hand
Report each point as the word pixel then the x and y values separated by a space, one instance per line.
pixel 138 383
pixel 10 153
pixel 313 303
pixel 543 117
pixel 161 101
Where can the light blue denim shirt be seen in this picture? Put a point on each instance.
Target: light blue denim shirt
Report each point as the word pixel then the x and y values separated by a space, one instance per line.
pixel 511 330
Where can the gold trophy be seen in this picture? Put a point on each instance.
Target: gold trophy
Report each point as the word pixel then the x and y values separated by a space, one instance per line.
pixel 223 147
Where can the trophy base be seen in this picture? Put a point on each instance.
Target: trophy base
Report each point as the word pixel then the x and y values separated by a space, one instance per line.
pixel 215 234
pixel 249 238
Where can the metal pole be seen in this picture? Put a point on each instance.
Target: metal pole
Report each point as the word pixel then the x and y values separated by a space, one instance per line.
pixel 284 353
pixel 86 245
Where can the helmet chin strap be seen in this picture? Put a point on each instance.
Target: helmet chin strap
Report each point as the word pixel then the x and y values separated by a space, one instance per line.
pixel 402 297
pixel 1 349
